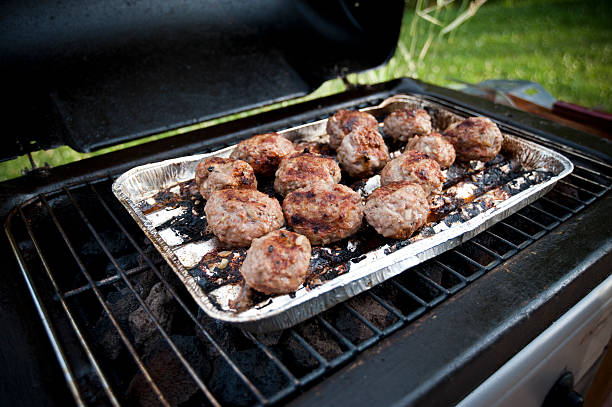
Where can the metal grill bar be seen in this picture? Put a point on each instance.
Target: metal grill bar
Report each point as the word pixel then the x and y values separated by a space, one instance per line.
pixel 385 305
pixel 509 243
pixel 601 189
pixel 103 380
pixel 585 172
pixel 450 270
pixel 363 320
pixel 409 293
pixel 227 359
pixel 554 203
pixel 598 173
pixel 479 266
pixel 109 313
pixel 520 215
pixel 273 357
pixel 547 213
pixel 142 303
pixel 526 235
pixel 577 190
pixel 568 196
pixel 336 333
pixel 322 361
pixel 486 250
pixel 484 263
pixel 542 211
pixel 105 281
pixel 51 333
pixel 438 286
pixel 371 340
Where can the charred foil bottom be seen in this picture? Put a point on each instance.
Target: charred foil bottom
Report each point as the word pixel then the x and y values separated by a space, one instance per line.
pixel 464 200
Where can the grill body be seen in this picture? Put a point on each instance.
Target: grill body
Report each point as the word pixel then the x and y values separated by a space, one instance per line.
pixel 428 336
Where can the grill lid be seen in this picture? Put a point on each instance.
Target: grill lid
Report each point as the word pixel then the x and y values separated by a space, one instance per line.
pixel 90 74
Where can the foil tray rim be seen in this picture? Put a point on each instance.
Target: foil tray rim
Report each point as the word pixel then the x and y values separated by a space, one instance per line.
pixel 360 278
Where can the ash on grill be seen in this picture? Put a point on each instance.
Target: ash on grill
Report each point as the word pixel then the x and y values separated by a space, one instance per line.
pixel 471 189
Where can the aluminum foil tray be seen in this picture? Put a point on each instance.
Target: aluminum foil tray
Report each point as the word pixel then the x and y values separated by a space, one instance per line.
pixel 163 200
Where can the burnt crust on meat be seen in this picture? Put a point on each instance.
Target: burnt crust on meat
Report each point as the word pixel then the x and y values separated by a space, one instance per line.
pixel 215 173
pixel 237 216
pixel 345 121
pixel 277 263
pixel 302 169
pixel 398 209
pixel 475 138
pixel 324 213
pixel 263 152
pixel 434 146
pixel 414 166
pixel 403 124
pixel 362 152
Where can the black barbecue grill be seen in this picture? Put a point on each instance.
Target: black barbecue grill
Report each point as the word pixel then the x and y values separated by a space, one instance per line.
pixel 427 336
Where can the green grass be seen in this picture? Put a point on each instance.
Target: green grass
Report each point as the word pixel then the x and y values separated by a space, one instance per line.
pixel 564 45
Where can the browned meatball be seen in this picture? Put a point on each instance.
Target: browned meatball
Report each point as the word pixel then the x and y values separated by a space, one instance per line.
pixel 397 209
pixel 434 146
pixel 344 122
pixel 300 170
pixel 263 152
pixel 313 147
pixel 475 138
pixel 362 152
pixel 215 173
pixel 404 124
pixel 277 263
pixel 324 213
pixel 415 167
pixel 237 216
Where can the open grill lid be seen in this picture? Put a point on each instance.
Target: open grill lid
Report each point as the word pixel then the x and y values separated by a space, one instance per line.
pixel 90 74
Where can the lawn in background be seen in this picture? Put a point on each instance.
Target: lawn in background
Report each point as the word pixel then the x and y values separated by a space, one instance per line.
pixel 564 45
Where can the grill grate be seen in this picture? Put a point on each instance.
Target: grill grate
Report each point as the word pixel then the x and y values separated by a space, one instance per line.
pixel 80 251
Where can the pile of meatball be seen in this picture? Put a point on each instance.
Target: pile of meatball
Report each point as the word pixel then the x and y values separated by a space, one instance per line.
pixel 316 209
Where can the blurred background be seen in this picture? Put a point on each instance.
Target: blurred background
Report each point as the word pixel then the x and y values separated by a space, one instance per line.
pixel 564 45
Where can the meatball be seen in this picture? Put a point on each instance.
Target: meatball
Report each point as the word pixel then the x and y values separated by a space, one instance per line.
pixel 277 263
pixel 344 122
pixel 397 209
pixel 313 147
pixel 215 173
pixel 415 167
pixel 300 170
pixel 434 146
pixel 404 124
pixel 362 152
pixel 263 152
pixel 475 138
pixel 324 213
pixel 237 216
